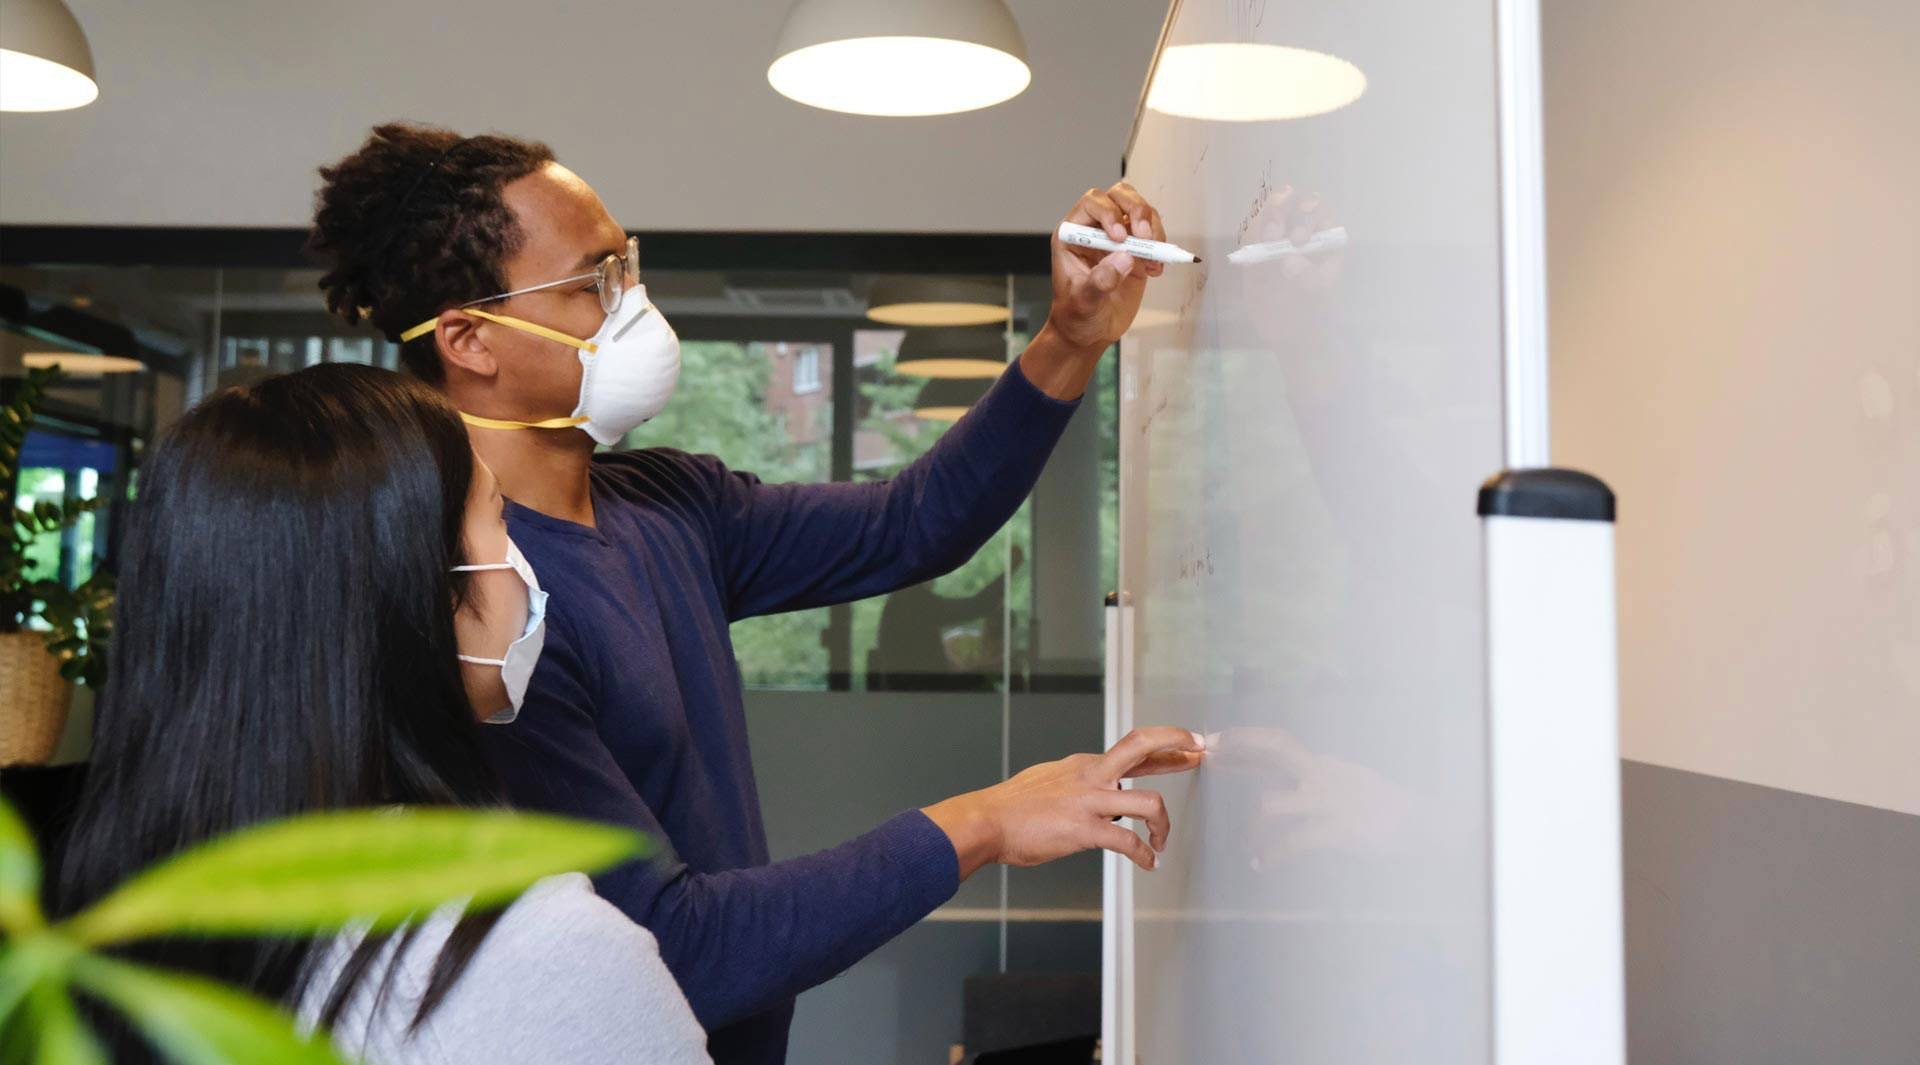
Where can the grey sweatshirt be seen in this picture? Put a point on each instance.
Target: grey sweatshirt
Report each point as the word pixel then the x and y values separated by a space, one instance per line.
pixel 563 977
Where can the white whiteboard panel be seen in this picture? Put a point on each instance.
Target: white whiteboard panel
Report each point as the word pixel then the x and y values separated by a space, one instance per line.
pixel 1300 444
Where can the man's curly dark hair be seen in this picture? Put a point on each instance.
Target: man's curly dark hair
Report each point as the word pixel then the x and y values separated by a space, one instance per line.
pixel 412 223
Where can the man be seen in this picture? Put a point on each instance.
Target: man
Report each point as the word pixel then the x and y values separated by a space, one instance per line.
pixel 511 288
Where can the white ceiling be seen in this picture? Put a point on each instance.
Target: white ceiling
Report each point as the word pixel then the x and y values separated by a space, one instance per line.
pixel 216 113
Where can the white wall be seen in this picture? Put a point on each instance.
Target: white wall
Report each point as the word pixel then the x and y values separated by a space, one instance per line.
pixel 216 113
pixel 1735 256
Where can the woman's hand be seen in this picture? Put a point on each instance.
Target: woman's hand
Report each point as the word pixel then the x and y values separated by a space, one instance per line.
pixel 1059 808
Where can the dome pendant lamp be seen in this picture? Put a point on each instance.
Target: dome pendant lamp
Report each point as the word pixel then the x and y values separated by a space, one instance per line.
pixel 945 399
pixel 916 300
pixel 900 57
pixel 976 351
pixel 45 64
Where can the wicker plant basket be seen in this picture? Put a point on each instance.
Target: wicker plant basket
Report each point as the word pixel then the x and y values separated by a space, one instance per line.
pixel 33 700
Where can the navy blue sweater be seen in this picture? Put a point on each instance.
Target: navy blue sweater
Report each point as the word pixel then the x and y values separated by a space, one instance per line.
pixel 634 715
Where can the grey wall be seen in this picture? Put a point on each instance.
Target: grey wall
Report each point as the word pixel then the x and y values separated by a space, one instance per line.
pixel 216 113
pixel 1734 253
pixel 1752 392
pixel 1766 927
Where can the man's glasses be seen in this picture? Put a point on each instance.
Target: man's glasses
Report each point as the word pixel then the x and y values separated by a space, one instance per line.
pixel 610 278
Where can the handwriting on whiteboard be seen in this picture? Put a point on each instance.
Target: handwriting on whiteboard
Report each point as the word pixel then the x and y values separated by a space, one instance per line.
pixel 1262 196
pixel 1196 284
pixel 1194 562
pixel 1246 17
pixel 1146 423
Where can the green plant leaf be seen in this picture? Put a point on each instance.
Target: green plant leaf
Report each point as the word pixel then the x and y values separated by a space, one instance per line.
pixel 58 1035
pixel 194 1021
pixel 19 971
pixel 320 872
pixel 19 875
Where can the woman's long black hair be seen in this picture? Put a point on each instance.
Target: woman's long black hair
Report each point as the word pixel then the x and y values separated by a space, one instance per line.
pixel 284 644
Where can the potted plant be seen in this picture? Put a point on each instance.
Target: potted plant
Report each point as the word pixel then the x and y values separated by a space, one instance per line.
pixel 38 665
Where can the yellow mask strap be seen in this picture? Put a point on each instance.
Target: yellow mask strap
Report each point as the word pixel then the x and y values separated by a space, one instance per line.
pixel 587 346
pixel 510 322
pixel 497 423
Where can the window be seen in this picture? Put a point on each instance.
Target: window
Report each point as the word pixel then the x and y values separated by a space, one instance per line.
pixel 65 468
pixel 950 633
pixel 727 404
pixel 783 376
pixel 806 371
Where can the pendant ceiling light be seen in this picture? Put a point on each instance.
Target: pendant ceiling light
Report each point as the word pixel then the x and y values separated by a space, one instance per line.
pixel 975 351
pixel 946 399
pixel 82 363
pixel 911 301
pixel 45 64
pixel 899 57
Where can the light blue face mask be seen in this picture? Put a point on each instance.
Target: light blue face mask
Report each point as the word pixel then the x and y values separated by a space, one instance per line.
pixel 516 666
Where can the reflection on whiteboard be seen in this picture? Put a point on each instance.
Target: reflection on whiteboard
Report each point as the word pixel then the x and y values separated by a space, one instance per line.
pixel 1304 419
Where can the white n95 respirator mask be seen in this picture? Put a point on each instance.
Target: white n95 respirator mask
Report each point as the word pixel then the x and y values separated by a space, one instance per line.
pixel 516 666
pixel 631 370
pixel 628 369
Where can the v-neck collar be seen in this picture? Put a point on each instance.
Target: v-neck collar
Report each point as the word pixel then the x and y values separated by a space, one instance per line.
pixel 549 523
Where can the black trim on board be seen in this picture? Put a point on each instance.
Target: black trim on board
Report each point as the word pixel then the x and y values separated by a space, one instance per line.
pixel 285 248
pixel 1547 492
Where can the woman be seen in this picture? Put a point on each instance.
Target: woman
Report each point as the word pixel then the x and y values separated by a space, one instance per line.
pixel 318 604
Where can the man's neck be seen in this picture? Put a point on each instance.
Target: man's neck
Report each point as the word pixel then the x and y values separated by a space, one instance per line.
pixel 542 469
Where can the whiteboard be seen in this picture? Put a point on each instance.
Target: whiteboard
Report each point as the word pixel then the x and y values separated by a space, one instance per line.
pixel 1301 570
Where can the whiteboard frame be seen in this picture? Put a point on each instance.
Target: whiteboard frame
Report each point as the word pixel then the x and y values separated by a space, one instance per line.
pixel 1558 989
pixel 1116 898
pixel 1523 234
pixel 1146 86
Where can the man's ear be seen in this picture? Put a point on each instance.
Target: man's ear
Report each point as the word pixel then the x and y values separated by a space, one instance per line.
pixel 458 337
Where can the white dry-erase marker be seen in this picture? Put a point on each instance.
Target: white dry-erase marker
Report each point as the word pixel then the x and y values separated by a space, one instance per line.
pixel 1268 251
pixel 1138 247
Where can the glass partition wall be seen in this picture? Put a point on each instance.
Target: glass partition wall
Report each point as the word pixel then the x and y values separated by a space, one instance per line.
pixel 794 373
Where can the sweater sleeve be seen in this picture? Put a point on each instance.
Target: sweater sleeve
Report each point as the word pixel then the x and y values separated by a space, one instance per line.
pixel 793 546
pixel 740 940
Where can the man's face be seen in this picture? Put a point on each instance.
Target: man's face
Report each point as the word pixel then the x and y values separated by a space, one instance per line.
pixel 565 231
